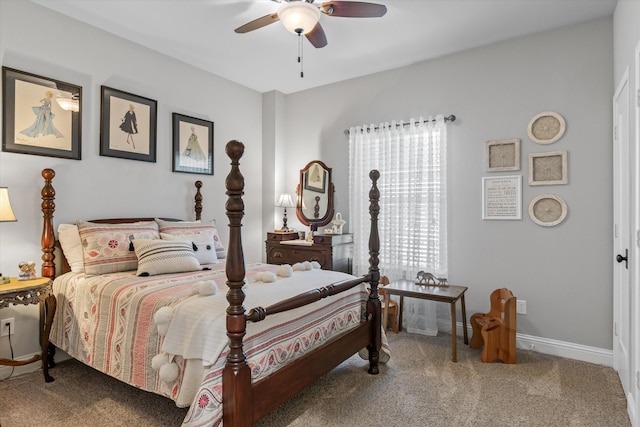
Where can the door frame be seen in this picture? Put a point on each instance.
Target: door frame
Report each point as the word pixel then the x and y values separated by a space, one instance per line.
pixel 633 398
pixel 623 203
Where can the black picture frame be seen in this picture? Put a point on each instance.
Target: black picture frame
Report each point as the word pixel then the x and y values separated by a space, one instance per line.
pixel 192 145
pixel 127 125
pixel 316 179
pixel 32 120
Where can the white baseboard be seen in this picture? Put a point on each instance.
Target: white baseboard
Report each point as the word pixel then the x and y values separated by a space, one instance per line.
pixel 568 350
pixel 631 410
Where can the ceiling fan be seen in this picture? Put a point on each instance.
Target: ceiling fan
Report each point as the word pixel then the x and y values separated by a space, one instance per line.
pixel 303 17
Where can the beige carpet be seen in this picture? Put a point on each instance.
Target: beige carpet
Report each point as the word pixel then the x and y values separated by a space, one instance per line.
pixel 419 387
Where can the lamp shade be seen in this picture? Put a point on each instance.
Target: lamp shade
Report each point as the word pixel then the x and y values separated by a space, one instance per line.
pixel 285 201
pixel 299 16
pixel 6 213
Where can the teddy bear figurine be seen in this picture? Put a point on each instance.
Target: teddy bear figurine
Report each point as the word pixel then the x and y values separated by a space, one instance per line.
pixel 27 270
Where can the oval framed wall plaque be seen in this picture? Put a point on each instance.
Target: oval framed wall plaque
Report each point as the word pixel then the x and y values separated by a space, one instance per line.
pixel 546 128
pixel 547 210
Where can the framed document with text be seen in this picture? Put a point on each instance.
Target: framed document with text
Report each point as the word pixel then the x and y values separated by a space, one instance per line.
pixel 502 197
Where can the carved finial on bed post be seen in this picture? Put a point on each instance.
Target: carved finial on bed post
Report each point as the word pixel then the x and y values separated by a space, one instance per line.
pixel 236 380
pixel 374 305
pixel 198 199
pixel 48 240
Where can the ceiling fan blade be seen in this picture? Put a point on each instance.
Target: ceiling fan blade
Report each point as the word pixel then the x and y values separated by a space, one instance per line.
pixel 353 9
pixel 317 37
pixel 258 23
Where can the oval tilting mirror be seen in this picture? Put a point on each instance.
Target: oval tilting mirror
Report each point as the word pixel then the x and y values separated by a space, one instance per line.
pixel 315 195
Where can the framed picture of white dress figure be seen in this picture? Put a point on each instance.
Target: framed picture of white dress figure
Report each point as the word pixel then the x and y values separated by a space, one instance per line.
pixel 40 115
pixel 192 145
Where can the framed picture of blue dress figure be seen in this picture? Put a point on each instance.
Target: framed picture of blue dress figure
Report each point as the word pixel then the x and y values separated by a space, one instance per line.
pixel 40 115
pixel 127 125
pixel 192 145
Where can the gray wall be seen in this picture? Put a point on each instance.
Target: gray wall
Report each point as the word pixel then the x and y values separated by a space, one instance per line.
pixel 564 272
pixel 626 35
pixel 37 40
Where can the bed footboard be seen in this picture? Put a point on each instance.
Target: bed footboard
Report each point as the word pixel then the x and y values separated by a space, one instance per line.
pixel 243 402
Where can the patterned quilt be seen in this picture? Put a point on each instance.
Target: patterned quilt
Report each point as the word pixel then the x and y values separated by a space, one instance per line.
pixel 107 322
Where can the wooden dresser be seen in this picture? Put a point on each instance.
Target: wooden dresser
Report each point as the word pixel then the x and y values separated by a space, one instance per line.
pixel 331 251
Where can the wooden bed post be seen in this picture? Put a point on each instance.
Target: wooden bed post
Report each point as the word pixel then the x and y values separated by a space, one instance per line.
pixel 373 304
pixel 48 240
pixel 198 200
pixel 236 377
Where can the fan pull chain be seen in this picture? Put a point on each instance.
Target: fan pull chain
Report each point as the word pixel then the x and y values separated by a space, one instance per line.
pixel 300 53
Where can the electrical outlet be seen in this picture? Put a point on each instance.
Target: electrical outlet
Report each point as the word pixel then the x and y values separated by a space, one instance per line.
pixel 521 306
pixel 5 324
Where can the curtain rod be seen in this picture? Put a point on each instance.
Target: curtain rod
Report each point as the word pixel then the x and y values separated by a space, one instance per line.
pixel 449 118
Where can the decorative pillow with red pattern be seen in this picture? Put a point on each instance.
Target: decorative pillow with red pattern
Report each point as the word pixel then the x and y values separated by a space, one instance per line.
pixel 108 248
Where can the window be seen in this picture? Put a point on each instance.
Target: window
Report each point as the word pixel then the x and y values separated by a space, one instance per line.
pixel 412 162
pixel 413 216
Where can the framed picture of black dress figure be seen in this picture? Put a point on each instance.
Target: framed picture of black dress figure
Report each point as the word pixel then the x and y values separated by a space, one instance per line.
pixel 40 115
pixel 127 125
pixel 192 145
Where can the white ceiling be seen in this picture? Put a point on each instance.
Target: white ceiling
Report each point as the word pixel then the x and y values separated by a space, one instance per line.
pixel 200 33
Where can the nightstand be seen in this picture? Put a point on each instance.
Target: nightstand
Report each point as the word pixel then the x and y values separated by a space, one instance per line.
pixel 331 251
pixel 35 291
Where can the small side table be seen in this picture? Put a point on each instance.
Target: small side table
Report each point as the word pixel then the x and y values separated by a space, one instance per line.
pixel 35 291
pixel 450 294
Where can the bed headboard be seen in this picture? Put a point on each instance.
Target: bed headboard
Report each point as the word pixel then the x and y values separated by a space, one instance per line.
pixel 48 240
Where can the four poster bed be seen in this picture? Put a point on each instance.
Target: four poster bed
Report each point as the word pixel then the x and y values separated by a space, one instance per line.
pixel 167 327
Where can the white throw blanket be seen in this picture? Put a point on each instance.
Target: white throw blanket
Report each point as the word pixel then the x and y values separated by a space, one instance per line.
pixel 197 327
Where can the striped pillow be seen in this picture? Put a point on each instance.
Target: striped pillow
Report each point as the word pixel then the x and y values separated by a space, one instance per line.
pixel 188 228
pixel 203 246
pixel 165 256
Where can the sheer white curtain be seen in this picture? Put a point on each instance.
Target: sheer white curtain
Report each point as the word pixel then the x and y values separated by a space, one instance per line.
pixel 412 159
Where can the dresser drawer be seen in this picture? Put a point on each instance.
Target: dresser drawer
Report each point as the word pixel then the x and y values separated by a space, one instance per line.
pixel 278 237
pixel 332 252
pixel 322 240
pixel 290 255
pixel 333 239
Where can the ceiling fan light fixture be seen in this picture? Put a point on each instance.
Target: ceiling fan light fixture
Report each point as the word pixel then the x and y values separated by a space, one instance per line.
pixel 69 104
pixel 299 16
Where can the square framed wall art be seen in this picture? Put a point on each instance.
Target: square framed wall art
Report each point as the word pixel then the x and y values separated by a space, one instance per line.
pixel 549 168
pixel 40 115
pixel 192 145
pixel 502 155
pixel 127 125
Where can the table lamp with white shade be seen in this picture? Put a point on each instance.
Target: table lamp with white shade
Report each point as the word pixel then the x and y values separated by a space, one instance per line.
pixel 285 201
pixel 6 213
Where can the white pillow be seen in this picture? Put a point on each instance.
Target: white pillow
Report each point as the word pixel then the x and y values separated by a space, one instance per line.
pixel 164 256
pixel 204 247
pixel 189 228
pixel 69 239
